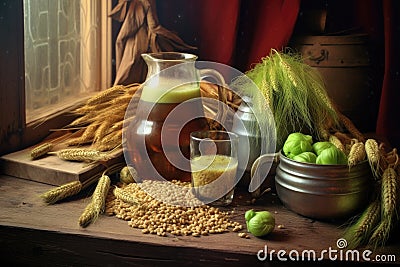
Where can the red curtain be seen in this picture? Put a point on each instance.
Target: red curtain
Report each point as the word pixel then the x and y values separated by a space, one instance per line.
pixel 388 124
pixel 234 32
pixel 381 20
pixel 239 33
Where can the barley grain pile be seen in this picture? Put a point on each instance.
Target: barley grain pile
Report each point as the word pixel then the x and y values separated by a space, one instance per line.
pixel 131 203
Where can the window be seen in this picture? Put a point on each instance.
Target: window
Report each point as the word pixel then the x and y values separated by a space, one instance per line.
pixel 58 53
pixel 62 52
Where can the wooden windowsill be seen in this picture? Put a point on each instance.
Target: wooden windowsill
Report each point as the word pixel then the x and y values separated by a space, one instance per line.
pixel 37 116
pixel 33 233
pixel 37 129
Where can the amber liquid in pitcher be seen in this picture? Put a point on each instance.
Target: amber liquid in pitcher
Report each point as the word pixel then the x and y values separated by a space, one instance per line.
pixel 150 121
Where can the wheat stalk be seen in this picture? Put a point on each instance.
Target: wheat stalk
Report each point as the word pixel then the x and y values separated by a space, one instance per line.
pixel 344 138
pixel 100 193
pixel 356 154
pixel 337 143
pixel 117 126
pixel 351 127
pixel 106 95
pixel 41 150
pixel 390 189
pixel 360 232
pixel 88 216
pixel 369 219
pixel 289 73
pixel 89 133
pixel 84 120
pixel 124 196
pixel 97 204
pixel 61 192
pixel 122 100
pixel 110 141
pixel 106 127
pixel 381 234
pixel 91 108
pixel 373 156
pixel 76 141
pixel 81 154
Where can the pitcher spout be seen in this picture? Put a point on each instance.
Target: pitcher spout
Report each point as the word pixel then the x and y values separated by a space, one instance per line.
pixel 169 56
pixel 147 57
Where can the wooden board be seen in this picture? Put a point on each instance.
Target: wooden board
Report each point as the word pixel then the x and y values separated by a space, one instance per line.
pixel 51 169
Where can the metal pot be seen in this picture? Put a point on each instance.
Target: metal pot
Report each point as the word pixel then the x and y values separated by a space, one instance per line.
pixel 249 136
pixel 323 191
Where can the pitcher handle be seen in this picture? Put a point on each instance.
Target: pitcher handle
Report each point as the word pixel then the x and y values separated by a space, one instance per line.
pixel 254 172
pixel 205 73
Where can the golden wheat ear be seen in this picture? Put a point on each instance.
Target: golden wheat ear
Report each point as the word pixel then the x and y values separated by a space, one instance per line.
pixel 357 154
pixel 360 232
pixel 54 195
pixel 373 156
pixel 125 196
pixel 97 203
pixel 81 154
pixel 41 150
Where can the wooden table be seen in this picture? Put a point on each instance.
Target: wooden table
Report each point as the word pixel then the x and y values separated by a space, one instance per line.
pixel 32 233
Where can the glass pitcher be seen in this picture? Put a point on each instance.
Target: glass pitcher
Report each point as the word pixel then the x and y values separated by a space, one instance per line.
pixel 169 109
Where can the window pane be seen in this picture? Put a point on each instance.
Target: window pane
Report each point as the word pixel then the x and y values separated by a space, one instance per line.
pixel 61 52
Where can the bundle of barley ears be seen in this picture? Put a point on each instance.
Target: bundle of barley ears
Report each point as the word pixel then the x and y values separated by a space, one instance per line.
pixel 97 130
pixel 101 119
pixel 296 94
pixel 375 226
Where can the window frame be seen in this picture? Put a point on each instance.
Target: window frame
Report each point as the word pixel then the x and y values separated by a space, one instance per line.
pixel 15 132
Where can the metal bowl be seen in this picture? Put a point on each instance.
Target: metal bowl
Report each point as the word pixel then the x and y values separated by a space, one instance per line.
pixel 323 191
